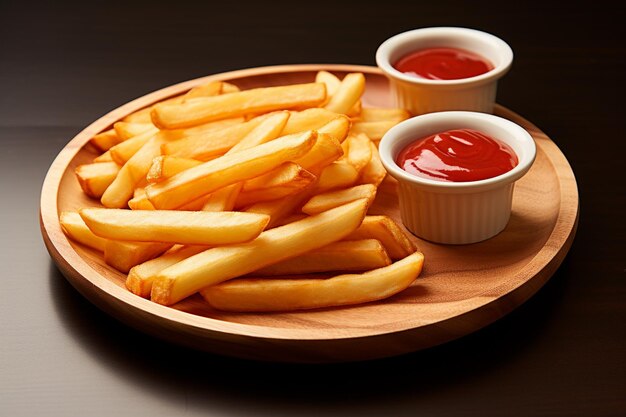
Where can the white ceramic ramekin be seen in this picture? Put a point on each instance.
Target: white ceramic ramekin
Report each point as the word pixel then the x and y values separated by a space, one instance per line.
pixel 421 96
pixel 456 212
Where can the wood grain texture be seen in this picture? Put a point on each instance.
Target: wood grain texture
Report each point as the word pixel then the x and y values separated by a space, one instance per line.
pixel 461 289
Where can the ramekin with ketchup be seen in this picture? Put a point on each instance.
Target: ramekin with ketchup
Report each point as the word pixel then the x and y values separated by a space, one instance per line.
pixel 456 172
pixel 444 68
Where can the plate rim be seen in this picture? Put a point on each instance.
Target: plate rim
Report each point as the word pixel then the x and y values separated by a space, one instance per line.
pixel 548 258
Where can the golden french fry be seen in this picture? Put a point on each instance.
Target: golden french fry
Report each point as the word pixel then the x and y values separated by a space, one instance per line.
pixel 223 199
pixel 373 114
pixel 76 229
pixel 279 294
pixel 166 166
pixel 143 115
pixel 105 157
pixel 203 129
pixel 331 199
pixel 332 85
pixel 227 197
pixel 326 150
pixel 303 180
pixel 196 205
pixel 140 202
pixel 309 119
pixel 384 229
pixel 172 116
pixel 359 151
pixel 355 111
pixel 283 174
pixel 168 226
pixel 220 264
pixel 123 151
pixel 127 130
pixel 374 172
pixel 374 130
pixel 348 93
pixel 209 144
pixel 279 209
pixel 339 174
pixel 331 81
pixel 289 219
pixel 131 174
pixel 229 88
pixel 95 178
pixel 268 129
pixel 105 140
pixel 124 255
pixel 140 277
pixel 356 255
pixel 228 169
pixel 209 89
pixel 120 191
pixel 338 128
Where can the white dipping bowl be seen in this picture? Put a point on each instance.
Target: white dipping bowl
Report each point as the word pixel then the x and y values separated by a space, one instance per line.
pixel 456 212
pixel 419 95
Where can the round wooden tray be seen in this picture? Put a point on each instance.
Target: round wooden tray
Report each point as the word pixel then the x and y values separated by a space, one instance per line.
pixel 461 289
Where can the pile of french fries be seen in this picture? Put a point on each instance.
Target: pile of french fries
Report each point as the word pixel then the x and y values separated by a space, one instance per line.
pixel 255 199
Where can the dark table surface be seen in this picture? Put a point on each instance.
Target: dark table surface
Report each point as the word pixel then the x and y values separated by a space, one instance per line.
pixel 62 66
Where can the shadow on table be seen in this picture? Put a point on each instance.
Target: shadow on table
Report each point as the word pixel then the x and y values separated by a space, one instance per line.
pixel 177 374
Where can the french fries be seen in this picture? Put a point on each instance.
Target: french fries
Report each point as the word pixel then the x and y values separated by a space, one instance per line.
pixel 124 255
pixel 127 130
pixel 229 169
pixel 331 199
pixel 256 295
pixel 380 114
pixel 185 227
pixel 332 85
pixel 105 140
pixel 205 145
pixel 209 89
pixel 359 151
pixel 220 264
pixel 374 130
pixel 338 128
pixel 386 231
pixel 190 113
pixel 347 94
pixel 326 150
pixel 132 173
pixel 279 209
pixel 339 174
pixel 299 183
pixel 309 119
pixel 74 226
pixel 95 178
pixel 358 255
pixel 105 157
pixel 140 277
pixel 268 129
pixel 374 172
pixel 166 166
pixel 254 187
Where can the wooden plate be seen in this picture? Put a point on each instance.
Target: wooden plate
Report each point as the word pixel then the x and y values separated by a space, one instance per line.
pixel 461 289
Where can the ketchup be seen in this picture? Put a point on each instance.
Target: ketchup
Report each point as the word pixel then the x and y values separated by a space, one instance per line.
pixel 443 64
pixel 458 155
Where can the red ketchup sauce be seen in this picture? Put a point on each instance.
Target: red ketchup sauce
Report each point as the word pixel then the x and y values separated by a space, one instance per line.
pixel 459 155
pixel 443 64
